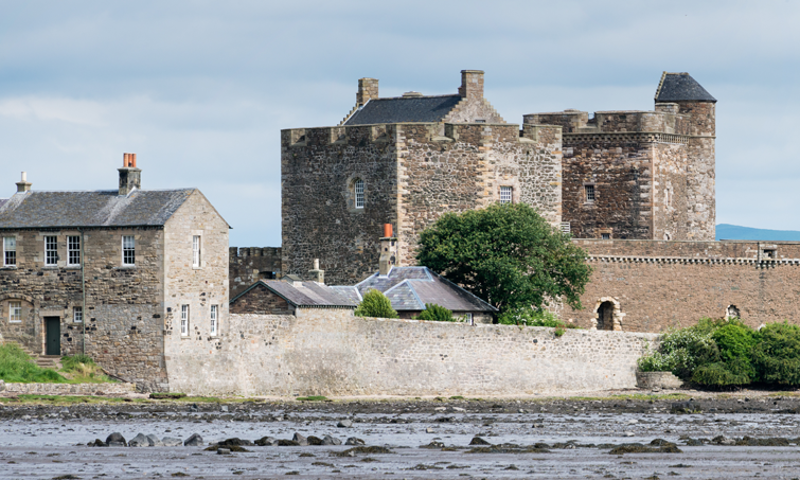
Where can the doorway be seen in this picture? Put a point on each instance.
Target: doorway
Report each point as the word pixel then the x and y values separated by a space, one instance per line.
pixel 52 336
pixel 605 316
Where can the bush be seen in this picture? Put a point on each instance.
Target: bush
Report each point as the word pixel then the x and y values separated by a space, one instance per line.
pixel 718 375
pixel 735 342
pixel 776 357
pixel 375 304
pixel 17 367
pixel 532 317
pixel 436 313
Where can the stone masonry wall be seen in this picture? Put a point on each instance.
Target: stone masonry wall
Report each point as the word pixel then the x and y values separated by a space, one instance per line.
pixel 123 304
pixel 259 300
pixel 658 285
pixel 249 265
pixel 334 353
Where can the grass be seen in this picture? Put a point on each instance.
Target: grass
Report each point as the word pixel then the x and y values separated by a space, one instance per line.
pixel 314 398
pixel 82 369
pixel 17 367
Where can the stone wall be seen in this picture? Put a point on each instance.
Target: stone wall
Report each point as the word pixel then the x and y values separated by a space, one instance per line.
pixel 655 285
pixel 66 388
pixel 247 265
pixel 259 300
pixel 333 353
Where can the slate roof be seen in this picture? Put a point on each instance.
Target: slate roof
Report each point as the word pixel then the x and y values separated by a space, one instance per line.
pixel 91 209
pixel 410 288
pixel 350 293
pixel 676 87
pixel 404 109
pixel 304 294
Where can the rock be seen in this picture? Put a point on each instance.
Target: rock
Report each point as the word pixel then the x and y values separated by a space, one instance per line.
pixel 312 440
pixel 354 441
pixel 224 408
pixel 685 407
pixel 345 423
pixel 723 440
pixel 2 385
pixel 139 441
pixel 97 443
pixel 479 441
pixel 328 440
pixel 633 421
pixel 223 451
pixel 459 409
pixel 300 440
pixel 235 442
pixel 267 442
pixel 171 442
pixel 287 443
pixel 429 430
pixel 194 441
pixel 628 434
pixel 154 441
pixel 116 440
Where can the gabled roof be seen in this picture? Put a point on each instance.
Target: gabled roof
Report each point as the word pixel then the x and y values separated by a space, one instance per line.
pixel 404 110
pixel 303 294
pixel 350 293
pixel 91 209
pixel 410 288
pixel 676 87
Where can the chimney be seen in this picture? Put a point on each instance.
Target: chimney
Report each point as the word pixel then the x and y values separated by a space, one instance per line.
pixel 316 275
pixel 471 84
pixel 24 186
pixel 130 177
pixel 388 258
pixel 367 90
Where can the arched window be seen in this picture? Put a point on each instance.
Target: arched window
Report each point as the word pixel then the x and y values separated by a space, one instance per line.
pixel 358 193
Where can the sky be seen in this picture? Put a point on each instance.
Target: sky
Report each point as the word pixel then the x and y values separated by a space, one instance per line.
pixel 200 90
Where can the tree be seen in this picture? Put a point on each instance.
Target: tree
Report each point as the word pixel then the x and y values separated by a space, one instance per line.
pixel 507 255
pixel 375 304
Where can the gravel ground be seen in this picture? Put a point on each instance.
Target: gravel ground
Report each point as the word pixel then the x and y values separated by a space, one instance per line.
pixel 714 436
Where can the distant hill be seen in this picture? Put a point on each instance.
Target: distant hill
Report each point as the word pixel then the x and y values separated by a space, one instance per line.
pixel 735 232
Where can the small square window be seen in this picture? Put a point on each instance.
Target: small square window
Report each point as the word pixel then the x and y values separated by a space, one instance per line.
pixel 184 320
pixel 9 251
pixel 15 312
pixel 50 251
pixel 506 194
pixel 589 193
pixel 77 314
pixel 73 250
pixel 128 250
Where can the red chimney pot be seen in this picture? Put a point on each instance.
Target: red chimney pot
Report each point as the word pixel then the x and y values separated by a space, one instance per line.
pixel 387 230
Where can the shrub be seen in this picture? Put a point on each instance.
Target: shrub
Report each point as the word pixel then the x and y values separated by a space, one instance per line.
pixel 776 357
pixel 718 375
pixel 735 342
pixel 532 317
pixel 17 367
pixel 436 313
pixel 375 304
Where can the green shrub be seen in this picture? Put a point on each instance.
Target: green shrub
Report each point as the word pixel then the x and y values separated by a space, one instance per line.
pixel 718 375
pixel 17 367
pixel 776 356
pixel 436 313
pixel 532 317
pixel 375 304
pixel 735 342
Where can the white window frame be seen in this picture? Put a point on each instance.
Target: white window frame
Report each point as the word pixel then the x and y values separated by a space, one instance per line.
pixel 605 236
pixel 566 228
pixel 9 248
pixel 590 193
pixel 196 245
pixel 50 251
pixel 184 320
pixel 73 250
pixel 77 314
pixel 358 193
pixel 506 194
pixel 14 312
pixel 129 247
pixel 214 320
pixel 469 319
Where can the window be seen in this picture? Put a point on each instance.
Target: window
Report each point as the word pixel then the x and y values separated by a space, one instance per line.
pixel 214 321
pixel 185 320
pixel 565 228
pixel 128 250
pixel 468 318
pixel 77 314
pixel 506 194
pixel 196 251
pixel 358 190
pixel 589 190
pixel 73 250
pixel 15 312
pixel 605 236
pixel 9 251
pixel 50 251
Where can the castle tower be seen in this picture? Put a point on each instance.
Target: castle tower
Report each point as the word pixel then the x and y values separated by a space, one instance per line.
pixel 694 101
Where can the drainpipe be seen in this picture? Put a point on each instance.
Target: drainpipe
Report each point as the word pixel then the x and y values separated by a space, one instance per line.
pixel 83 292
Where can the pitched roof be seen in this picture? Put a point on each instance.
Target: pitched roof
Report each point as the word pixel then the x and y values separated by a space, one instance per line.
pixel 350 293
pixel 304 294
pixel 675 87
pixel 410 288
pixel 91 209
pixel 404 110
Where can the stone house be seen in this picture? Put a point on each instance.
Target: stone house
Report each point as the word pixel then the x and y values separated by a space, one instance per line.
pixel 128 276
pixel 277 297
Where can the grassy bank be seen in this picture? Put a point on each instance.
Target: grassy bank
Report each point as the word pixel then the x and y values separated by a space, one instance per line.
pixel 16 366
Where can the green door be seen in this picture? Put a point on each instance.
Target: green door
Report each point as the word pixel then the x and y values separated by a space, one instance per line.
pixel 52 343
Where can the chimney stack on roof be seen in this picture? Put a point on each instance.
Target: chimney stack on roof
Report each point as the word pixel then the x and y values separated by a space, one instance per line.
pixel 130 177
pixel 24 185
pixel 367 90
pixel 315 274
pixel 471 84
pixel 388 254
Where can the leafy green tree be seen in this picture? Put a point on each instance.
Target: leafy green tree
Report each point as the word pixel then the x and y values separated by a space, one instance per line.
pixel 507 255
pixel 375 304
pixel 776 357
pixel 436 313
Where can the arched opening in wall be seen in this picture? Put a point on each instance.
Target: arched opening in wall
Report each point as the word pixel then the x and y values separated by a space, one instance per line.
pixel 732 312
pixel 605 316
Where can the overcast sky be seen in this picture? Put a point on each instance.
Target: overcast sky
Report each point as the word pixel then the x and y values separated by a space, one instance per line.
pixel 199 90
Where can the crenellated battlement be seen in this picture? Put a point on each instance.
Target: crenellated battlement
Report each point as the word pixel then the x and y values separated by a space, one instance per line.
pixel 665 119
pixel 434 132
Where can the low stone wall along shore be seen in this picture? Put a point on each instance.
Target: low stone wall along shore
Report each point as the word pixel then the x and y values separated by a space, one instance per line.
pixel 67 388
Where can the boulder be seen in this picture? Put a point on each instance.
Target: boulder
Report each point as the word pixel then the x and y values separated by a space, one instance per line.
pixel 237 442
pixel 139 441
pixel 153 441
pixel 194 441
pixel 328 440
pixel 346 423
pixel 97 443
pixel 301 440
pixel 116 440
pixel 223 451
pixel 312 440
pixel 171 442
pixel 479 441
pixel 267 442
pixel 354 441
